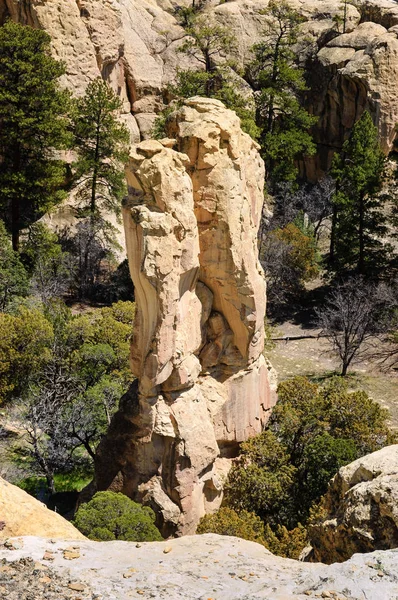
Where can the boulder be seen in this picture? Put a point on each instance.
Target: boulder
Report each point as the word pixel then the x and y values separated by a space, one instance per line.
pixel 359 512
pixel 21 514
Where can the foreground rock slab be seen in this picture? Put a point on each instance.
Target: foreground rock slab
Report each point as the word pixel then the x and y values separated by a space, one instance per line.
pixel 198 568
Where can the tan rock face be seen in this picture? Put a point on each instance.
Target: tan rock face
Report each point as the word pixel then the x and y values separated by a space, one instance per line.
pixel 134 45
pixel 361 509
pixel 354 72
pixel 191 224
pixel 21 514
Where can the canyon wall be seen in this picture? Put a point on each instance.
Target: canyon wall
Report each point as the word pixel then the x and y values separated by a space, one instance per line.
pixel 133 44
pixel 191 222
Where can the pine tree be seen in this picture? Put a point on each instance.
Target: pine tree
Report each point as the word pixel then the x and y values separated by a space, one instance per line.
pixel 210 45
pixel 359 221
pixel 279 82
pixel 13 276
pixel 207 41
pixel 101 142
pixel 32 127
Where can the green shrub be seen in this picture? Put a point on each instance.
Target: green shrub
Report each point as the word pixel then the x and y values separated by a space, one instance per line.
pixel 283 542
pixel 261 480
pixel 248 526
pixel 110 516
pixel 226 521
pixel 285 470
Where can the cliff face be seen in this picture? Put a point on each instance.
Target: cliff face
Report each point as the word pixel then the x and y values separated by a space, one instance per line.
pixel 353 72
pixel 191 224
pixel 134 44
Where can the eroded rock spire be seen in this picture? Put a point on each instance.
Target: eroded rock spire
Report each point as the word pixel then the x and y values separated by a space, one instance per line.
pixel 191 222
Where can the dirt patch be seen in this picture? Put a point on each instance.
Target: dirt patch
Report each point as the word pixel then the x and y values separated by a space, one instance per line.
pixel 312 358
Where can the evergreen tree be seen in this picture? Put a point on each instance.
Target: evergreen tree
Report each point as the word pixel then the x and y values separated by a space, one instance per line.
pixel 210 46
pixel 206 43
pixel 32 126
pixel 13 277
pixel 278 82
pixel 359 222
pixel 101 142
pixel 113 516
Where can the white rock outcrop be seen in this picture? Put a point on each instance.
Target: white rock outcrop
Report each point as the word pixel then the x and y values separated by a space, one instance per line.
pixel 191 223
pixel 203 567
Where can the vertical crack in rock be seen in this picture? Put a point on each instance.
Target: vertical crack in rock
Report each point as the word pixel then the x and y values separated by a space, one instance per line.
pixel 191 222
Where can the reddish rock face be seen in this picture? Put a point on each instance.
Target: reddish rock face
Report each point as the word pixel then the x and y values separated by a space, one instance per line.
pixel 191 223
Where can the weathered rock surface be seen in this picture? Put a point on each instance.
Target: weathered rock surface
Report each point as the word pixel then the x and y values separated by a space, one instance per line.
pixel 134 45
pixel 360 507
pixel 26 579
pixel 198 567
pixel 354 72
pixel 21 514
pixel 191 224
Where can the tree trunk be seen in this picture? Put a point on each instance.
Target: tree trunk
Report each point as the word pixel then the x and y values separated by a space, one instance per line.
pixel 50 482
pixel 361 233
pixel 15 227
pixel 89 450
pixel 332 247
pixel 270 118
pixel 95 172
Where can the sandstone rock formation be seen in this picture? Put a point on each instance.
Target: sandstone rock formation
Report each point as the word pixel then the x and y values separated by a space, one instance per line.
pixel 360 509
pixel 21 514
pixel 134 45
pixel 192 567
pixel 191 224
pixel 353 72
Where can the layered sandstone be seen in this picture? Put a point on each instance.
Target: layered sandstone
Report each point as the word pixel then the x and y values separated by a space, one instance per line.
pixel 360 509
pixel 191 223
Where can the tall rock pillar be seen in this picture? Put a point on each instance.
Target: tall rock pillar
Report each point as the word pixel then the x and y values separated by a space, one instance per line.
pixel 191 222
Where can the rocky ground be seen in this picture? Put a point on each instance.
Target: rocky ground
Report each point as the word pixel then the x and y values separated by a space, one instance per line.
pixel 208 567
pixel 26 579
